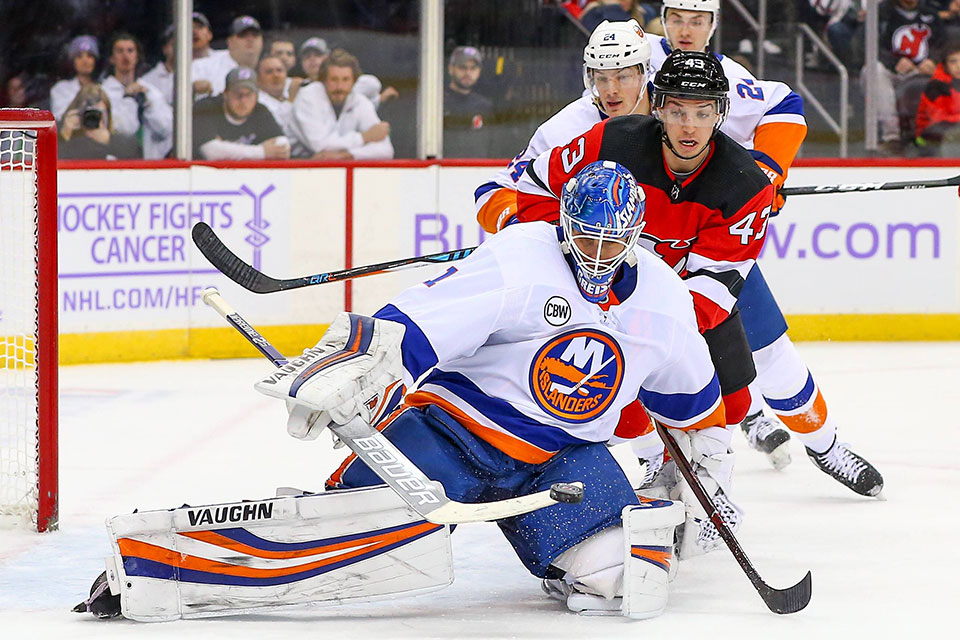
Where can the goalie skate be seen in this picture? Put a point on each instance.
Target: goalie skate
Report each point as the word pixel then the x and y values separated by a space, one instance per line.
pixel 765 435
pixel 849 469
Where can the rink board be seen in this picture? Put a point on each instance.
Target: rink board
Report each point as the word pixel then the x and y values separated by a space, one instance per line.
pixel 865 266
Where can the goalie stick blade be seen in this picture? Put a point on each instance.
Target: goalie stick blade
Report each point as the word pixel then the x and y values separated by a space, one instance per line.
pixel 788 600
pixel 464 512
pixel 229 264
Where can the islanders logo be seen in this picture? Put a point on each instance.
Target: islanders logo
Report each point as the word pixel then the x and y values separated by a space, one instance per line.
pixel 576 375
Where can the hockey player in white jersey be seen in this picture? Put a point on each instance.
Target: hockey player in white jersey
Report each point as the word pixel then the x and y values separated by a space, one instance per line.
pixel 509 380
pixel 767 119
pixel 517 377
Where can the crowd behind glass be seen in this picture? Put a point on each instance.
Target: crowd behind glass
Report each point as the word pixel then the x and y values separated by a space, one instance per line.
pixel 265 88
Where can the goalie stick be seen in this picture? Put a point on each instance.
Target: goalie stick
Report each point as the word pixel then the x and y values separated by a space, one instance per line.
pixel 870 186
pixel 424 496
pixel 789 600
pixel 249 278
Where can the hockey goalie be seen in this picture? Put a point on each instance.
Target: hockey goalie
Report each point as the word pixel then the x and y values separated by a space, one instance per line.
pixel 488 392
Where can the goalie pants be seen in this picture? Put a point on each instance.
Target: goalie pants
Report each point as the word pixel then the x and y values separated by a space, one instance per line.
pixel 472 470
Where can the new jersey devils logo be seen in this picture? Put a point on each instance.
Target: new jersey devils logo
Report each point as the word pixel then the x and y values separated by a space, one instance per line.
pixel 673 252
pixel 576 375
pixel 913 41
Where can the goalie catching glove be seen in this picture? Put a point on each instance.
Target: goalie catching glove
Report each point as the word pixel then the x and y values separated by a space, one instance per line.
pixel 355 370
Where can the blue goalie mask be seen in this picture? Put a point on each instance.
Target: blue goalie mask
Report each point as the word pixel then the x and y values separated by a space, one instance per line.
pixel 601 213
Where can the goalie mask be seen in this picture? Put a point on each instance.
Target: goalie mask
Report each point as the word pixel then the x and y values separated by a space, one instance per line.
pixel 601 214
pixel 614 50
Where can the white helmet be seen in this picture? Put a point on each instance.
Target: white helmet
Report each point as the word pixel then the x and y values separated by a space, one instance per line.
pixel 616 45
pixel 710 6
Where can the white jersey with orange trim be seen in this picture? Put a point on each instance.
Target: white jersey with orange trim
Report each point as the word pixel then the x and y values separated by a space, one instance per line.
pixel 526 364
pixel 559 129
pixel 765 117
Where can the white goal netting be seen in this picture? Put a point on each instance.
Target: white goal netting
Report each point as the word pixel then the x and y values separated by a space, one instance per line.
pixel 19 423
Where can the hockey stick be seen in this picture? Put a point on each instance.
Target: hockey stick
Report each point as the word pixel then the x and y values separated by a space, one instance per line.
pixel 870 186
pixel 788 600
pixel 249 278
pixel 424 496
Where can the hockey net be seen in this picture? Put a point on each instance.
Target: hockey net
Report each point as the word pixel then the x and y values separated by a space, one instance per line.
pixel 28 318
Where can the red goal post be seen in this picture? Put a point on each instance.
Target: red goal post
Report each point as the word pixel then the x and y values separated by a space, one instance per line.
pixel 28 318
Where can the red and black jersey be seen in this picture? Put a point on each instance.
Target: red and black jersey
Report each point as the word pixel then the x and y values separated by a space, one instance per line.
pixel 912 34
pixel 709 226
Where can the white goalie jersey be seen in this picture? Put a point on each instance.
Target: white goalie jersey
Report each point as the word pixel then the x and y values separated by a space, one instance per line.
pixel 531 367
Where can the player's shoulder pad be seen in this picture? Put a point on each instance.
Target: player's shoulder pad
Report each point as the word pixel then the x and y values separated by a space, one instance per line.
pixel 734 173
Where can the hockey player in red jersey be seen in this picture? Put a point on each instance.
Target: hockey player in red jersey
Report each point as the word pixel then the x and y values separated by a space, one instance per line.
pixel 767 118
pixel 707 200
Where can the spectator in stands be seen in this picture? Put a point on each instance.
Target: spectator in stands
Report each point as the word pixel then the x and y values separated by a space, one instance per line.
pixel 244 45
pixel 162 76
pixel 938 116
pixel 949 12
pixel 15 93
pixel 277 94
pixel 86 129
pixel 312 54
pixel 84 53
pixel 465 111
pixel 336 123
pixel 283 48
pixel 840 22
pixel 909 33
pixel 202 36
pixel 234 126
pixel 139 108
pixel 599 10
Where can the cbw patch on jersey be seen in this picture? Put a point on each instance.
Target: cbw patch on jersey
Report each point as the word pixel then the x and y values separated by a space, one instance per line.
pixel 576 375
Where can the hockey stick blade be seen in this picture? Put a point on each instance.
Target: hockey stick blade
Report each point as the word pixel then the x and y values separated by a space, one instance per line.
pixel 782 601
pixel 256 281
pixel 424 496
pixel 870 186
pixel 789 600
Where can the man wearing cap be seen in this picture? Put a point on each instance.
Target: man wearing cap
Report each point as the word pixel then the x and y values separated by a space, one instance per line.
pixel 234 126
pixel 83 52
pixel 244 45
pixel 465 111
pixel 335 122
pixel 162 75
pixel 202 36
pixel 313 52
pixel 138 106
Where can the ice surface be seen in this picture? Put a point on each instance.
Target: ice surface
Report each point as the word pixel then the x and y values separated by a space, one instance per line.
pixel 160 434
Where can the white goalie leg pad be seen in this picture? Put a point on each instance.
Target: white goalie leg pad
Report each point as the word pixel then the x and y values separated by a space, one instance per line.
pixel 711 458
pixel 355 370
pixel 328 548
pixel 648 556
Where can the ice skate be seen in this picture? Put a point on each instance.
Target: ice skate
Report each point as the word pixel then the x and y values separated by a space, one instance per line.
pixel 848 468
pixel 766 435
